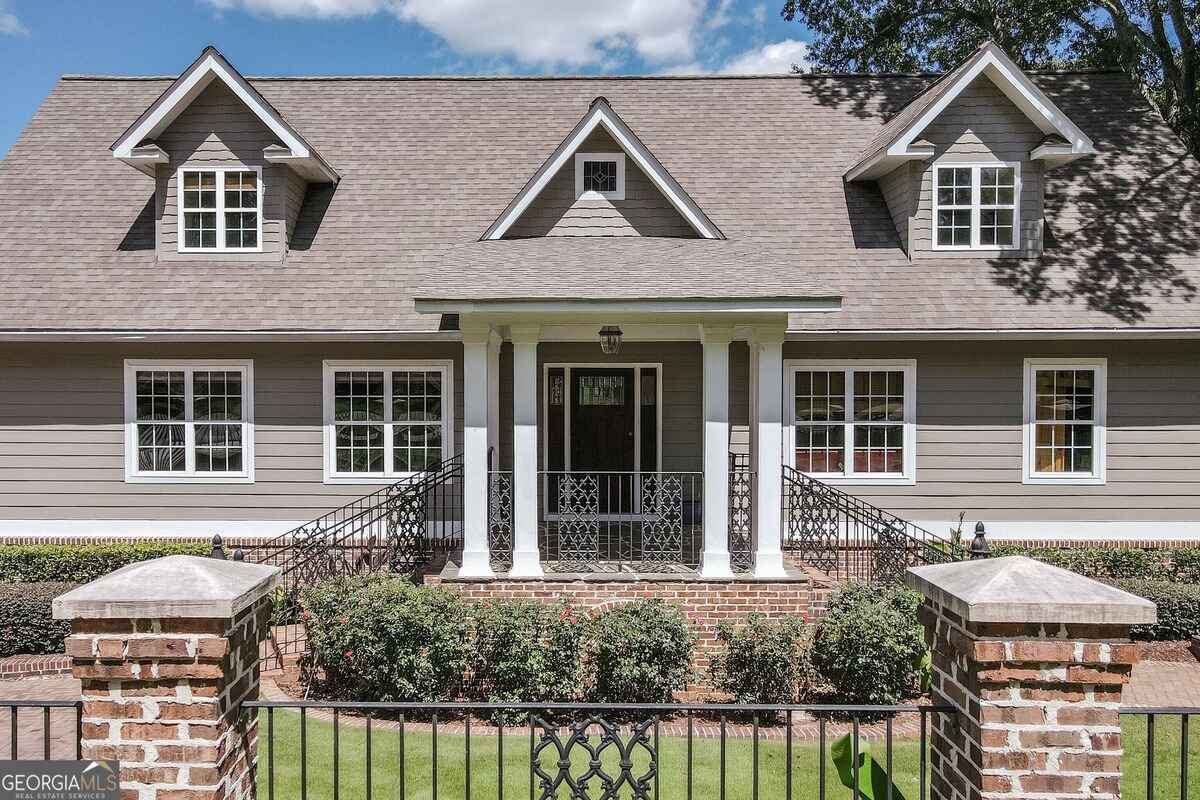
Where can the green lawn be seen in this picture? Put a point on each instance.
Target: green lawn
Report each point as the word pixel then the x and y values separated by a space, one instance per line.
pixel 451 772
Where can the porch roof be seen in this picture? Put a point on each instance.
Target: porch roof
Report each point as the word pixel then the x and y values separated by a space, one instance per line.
pixel 633 269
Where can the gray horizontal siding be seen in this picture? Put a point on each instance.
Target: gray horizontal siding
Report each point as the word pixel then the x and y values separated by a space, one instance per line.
pixel 217 130
pixel 969 445
pixel 62 432
pixel 643 212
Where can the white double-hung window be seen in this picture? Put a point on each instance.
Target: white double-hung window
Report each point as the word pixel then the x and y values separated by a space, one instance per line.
pixel 1065 427
pixel 853 420
pixel 385 420
pixel 976 206
pixel 220 210
pixel 189 421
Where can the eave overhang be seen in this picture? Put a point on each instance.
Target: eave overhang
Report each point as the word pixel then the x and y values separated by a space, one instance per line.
pixel 133 145
pixel 990 61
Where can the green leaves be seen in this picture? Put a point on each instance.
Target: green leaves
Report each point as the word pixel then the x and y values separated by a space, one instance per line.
pixel 81 563
pixel 639 652
pixel 764 660
pixel 873 780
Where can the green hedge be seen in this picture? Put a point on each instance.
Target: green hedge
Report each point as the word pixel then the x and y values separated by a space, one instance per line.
pixel 81 563
pixel 28 627
pixel 1178 609
pixel 1181 565
pixel 763 660
pixel 639 652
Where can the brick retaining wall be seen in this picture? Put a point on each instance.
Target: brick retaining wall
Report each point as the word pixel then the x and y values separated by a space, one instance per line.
pixel 705 603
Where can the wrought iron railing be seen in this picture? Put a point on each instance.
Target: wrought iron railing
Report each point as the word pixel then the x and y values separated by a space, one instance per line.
pixel 741 513
pixel 40 730
pixel 400 528
pixel 500 519
pixel 585 751
pixel 621 521
pixel 849 538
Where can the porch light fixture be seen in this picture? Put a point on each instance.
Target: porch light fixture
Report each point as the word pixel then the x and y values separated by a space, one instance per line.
pixel 610 340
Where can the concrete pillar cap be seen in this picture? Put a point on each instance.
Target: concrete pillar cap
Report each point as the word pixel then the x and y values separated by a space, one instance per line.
pixel 1018 589
pixel 170 587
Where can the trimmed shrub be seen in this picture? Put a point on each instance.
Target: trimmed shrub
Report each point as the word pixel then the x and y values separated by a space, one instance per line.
pixel 29 628
pixel 639 652
pixel 1178 609
pixel 1185 565
pixel 385 639
pixel 869 646
pixel 81 563
pixel 764 660
pixel 527 651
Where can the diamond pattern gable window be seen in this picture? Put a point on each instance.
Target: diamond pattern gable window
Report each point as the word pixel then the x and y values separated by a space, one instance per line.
pixel 220 210
pixel 599 176
pixel 190 421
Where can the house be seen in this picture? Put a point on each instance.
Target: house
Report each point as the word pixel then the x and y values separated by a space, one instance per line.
pixel 659 318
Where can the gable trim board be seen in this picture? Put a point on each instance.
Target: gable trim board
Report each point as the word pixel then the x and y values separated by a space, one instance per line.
pixel 210 66
pixel 602 114
pixel 991 62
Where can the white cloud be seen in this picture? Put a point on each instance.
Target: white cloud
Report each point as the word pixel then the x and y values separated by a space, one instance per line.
pixel 719 17
pixel 760 14
pixel 770 58
pixel 571 33
pixel 9 24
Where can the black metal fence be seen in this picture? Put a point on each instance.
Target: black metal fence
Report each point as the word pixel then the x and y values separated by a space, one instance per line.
pixel 1157 744
pixel 40 730
pixel 543 751
pixel 849 538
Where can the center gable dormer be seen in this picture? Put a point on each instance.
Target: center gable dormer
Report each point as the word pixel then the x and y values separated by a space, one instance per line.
pixel 230 172
pixel 602 180
pixel 962 166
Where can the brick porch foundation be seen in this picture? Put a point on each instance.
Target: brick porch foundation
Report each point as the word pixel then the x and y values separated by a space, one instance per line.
pixel 705 603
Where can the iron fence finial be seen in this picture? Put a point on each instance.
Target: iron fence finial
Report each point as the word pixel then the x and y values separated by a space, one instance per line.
pixel 218 547
pixel 979 545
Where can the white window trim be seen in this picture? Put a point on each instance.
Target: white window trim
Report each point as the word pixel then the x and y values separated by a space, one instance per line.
pixel 220 209
pixel 618 158
pixel 1098 477
pixel 975 167
pixel 190 475
pixel 331 475
pixel 908 366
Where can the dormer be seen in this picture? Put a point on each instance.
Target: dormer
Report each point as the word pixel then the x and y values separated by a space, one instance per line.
pixel 602 180
pixel 230 172
pixel 962 166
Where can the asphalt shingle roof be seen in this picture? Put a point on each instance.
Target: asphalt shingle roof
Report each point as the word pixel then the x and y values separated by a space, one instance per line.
pixel 428 164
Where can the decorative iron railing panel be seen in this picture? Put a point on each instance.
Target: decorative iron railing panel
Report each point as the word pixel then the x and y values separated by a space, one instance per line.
pixel 628 521
pixel 587 751
pixel 852 539
pixel 500 519
pixel 741 513
pixel 399 528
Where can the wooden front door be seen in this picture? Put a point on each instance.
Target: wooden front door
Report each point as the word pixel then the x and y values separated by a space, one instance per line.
pixel 602 420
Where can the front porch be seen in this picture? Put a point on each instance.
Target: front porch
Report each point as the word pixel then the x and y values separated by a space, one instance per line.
pixel 628 462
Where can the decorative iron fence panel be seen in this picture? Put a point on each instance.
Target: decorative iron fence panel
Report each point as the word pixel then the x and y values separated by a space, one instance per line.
pixel 609 521
pixel 500 519
pixel 582 751
pixel 741 513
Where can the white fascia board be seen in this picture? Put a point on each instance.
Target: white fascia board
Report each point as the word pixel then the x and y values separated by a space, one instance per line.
pixel 632 306
pixel 598 116
pixel 884 162
pixel 1017 86
pixel 928 334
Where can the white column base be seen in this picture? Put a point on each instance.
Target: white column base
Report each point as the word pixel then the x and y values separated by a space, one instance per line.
pixel 715 564
pixel 476 564
pixel 769 565
pixel 527 564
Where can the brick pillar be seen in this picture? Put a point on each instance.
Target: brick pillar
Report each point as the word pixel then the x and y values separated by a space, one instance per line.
pixel 166 651
pixel 1033 658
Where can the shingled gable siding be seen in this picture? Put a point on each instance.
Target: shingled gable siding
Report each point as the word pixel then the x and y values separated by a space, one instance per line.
pixel 643 212
pixel 218 130
pixel 61 437
pixel 969 417
pixel 980 125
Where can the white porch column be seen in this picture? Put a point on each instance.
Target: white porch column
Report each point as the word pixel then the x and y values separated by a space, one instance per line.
pixel 476 560
pixel 493 387
pixel 714 562
pixel 766 355
pixel 527 561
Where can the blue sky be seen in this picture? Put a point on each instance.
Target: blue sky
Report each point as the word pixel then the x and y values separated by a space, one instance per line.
pixel 40 40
